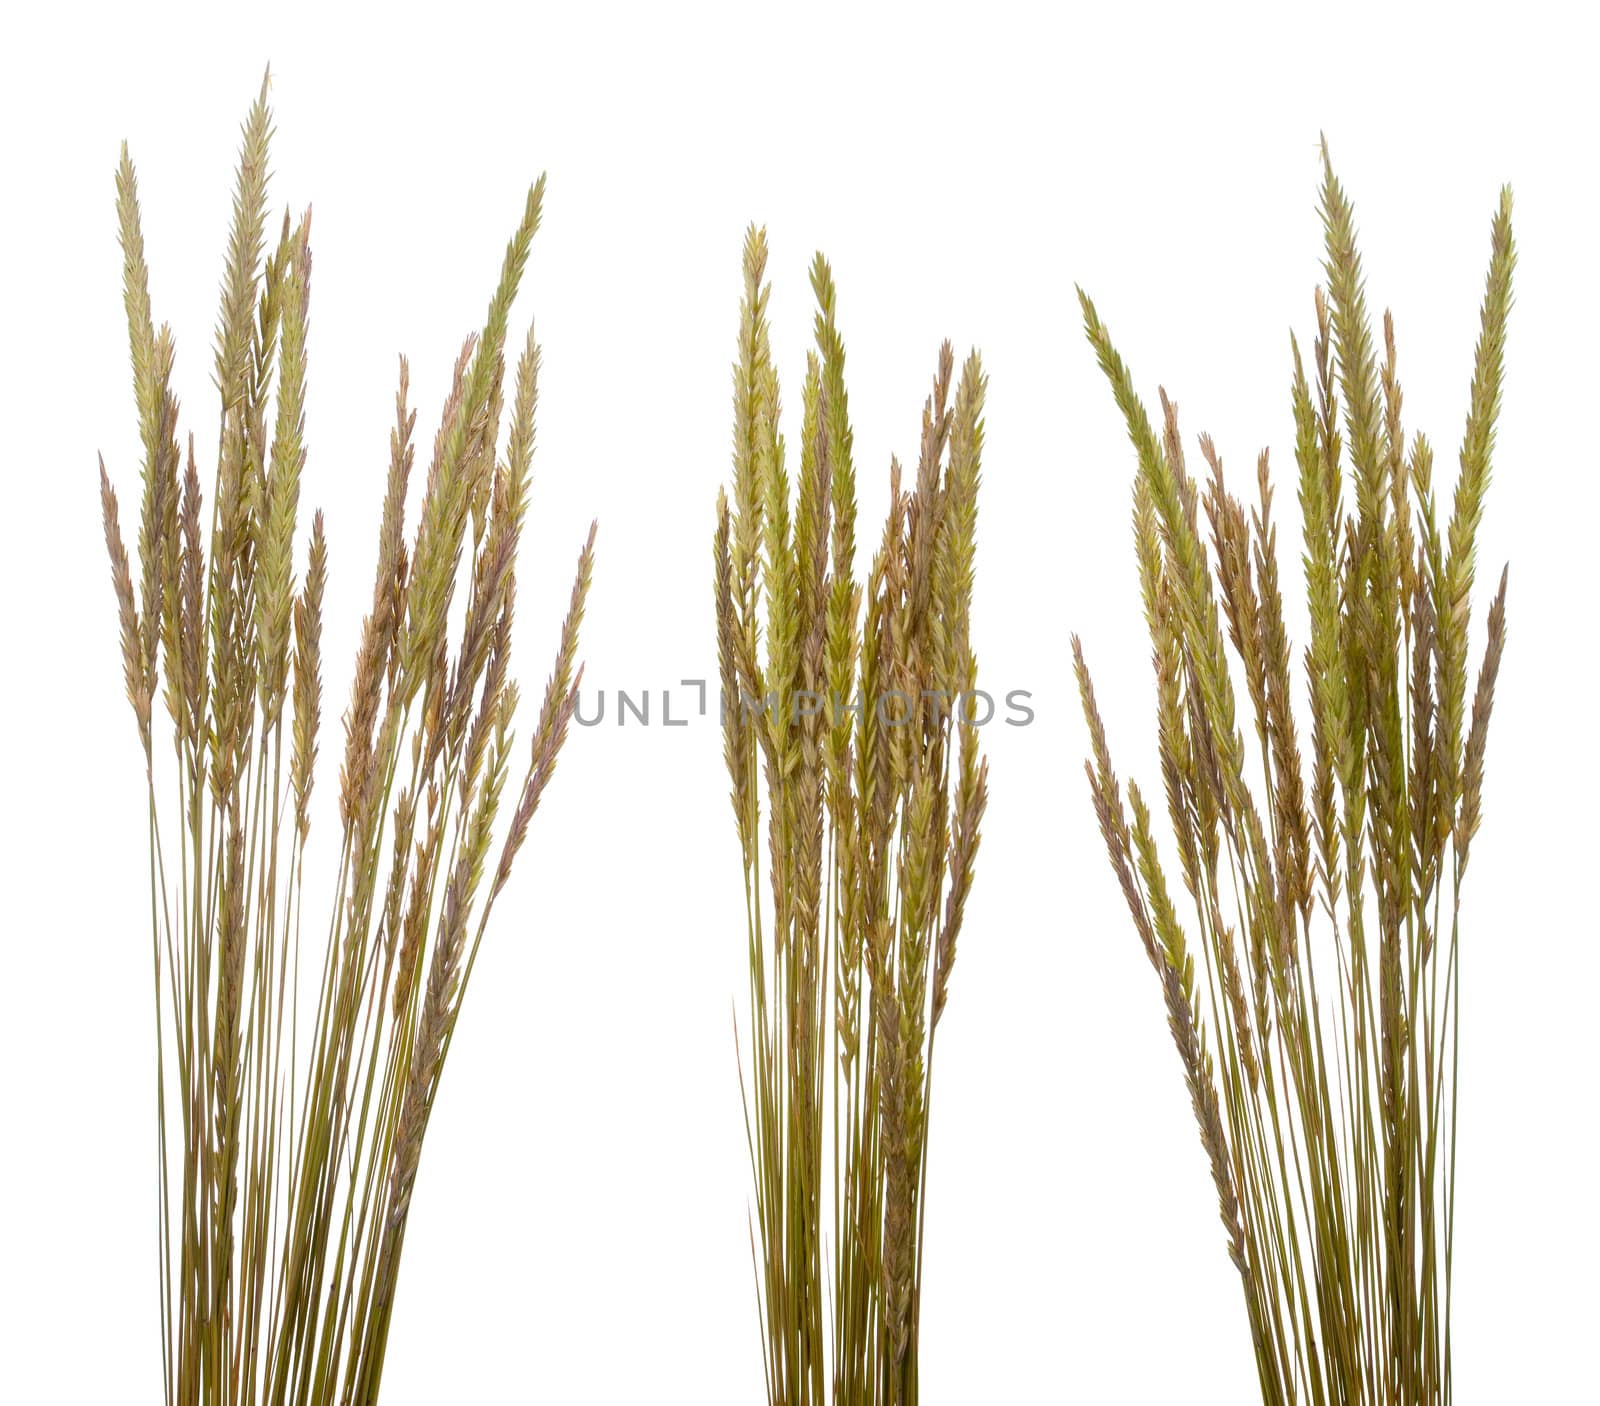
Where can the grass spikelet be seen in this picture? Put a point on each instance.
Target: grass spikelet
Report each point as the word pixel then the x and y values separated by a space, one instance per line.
pixel 1478 735
pixel 308 676
pixel 133 675
pixel 245 248
pixel 280 506
pixel 1327 1113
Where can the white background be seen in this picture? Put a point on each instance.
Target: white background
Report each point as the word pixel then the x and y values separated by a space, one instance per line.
pixel 580 1228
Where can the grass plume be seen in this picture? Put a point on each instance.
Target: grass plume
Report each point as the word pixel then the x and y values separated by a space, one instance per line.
pixel 848 732
pixel 293 1102
pixel 1319 1038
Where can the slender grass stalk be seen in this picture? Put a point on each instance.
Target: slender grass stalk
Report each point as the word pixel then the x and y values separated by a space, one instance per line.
pixel 854 738
pixel 1320 1045
pixel 287 1156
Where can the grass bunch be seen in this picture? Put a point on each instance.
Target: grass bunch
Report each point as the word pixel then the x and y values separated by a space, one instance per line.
pixel 1324 883
pixel 292 1107
pixel 848 727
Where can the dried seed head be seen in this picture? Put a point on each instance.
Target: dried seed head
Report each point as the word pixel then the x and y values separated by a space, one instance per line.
pixel 1478 735
pixel 274 597
pixel 308 677
pixel 133 671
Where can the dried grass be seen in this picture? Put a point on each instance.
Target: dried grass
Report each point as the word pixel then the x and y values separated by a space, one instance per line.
pixel 851 739
pixel 288 1154
pixel 1321 1051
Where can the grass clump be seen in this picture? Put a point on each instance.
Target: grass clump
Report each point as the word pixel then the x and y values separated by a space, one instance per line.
pixel 853 737
pixel 291 1109
pixel 1320 1045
